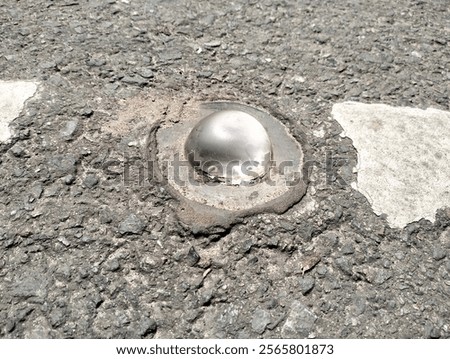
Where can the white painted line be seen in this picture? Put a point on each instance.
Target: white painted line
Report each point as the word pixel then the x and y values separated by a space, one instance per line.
pixel 403 158
pixel 13 95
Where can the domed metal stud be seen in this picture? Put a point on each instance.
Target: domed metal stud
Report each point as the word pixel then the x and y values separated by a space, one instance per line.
pixel 230 146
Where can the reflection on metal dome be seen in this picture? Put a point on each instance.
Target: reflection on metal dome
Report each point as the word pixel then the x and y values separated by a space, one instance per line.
pixel 230 146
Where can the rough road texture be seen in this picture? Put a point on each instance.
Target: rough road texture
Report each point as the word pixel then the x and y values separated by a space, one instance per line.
pixel 83 255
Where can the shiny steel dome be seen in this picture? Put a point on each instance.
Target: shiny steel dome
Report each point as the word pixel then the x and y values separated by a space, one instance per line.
pixel 230 146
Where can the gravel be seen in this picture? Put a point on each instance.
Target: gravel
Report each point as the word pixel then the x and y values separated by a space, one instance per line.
pixel 192 257
pixel 69 129
pixel 131 225
pixel 299 323
pixel 90 181
pixel 261 319
pixel 306 284
pixel 127 268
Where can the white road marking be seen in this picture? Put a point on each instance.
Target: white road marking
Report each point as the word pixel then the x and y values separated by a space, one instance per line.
pixel 403 158
pixel 13 95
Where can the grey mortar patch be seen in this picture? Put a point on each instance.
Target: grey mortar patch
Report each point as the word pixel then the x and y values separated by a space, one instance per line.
pixel 200 207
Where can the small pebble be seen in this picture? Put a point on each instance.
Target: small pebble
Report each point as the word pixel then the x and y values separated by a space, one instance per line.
pixel 90 181
pixel 306 284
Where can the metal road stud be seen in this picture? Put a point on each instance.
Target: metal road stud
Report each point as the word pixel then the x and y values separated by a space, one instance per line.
pixel 230 146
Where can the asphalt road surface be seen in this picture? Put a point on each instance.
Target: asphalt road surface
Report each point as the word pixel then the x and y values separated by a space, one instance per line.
pixel 89 250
